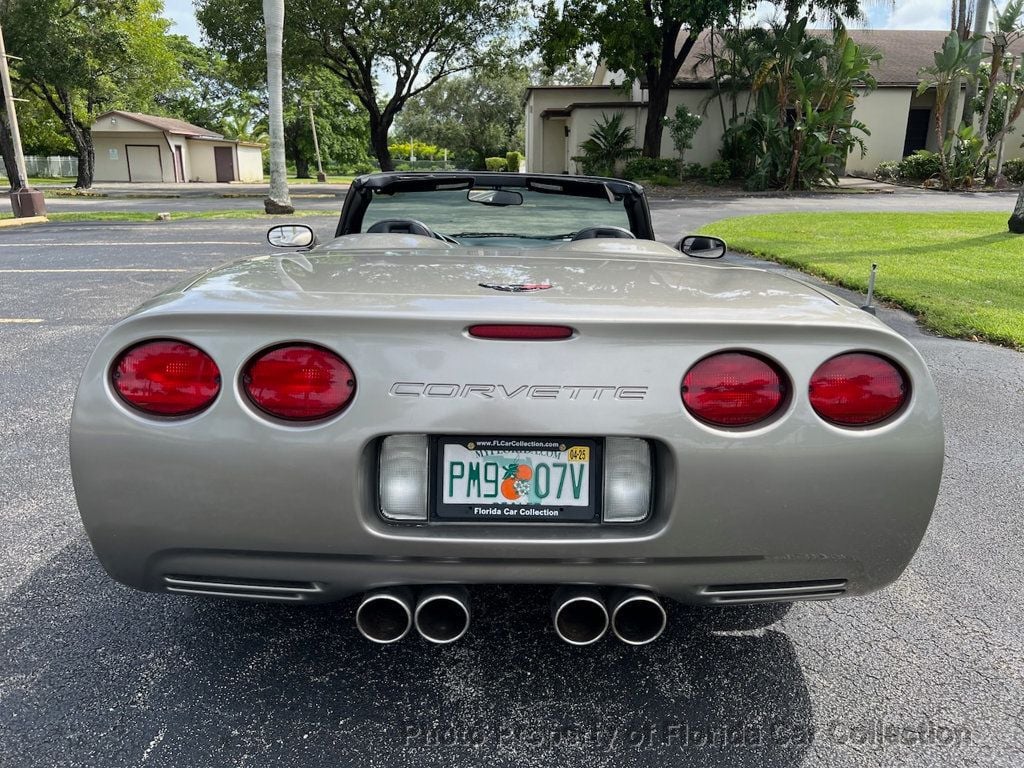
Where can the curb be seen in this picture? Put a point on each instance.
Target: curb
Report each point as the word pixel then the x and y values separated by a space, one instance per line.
pixel 23 221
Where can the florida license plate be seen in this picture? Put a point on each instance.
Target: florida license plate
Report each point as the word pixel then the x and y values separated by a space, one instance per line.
pixel 517 479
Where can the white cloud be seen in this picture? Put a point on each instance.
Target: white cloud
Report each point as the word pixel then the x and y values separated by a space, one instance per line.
pixel 914 14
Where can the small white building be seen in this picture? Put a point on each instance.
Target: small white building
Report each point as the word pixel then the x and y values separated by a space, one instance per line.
pixel 149 148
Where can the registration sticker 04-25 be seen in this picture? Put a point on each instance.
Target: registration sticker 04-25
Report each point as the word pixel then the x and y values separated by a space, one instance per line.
pixel 517 479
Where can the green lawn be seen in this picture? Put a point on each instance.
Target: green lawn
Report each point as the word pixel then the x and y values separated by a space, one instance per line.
pixel 34 181
pixel 175 216
pixel 961 273
pixel 330 180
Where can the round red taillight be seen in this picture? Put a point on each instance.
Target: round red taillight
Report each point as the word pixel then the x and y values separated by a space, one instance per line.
pixel 299 382
pixel 734 389
pixel 166 378
pixel 858 390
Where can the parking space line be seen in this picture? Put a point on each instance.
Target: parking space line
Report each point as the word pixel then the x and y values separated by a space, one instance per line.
pixel 26 320
pixel 95 269
pixel 123 243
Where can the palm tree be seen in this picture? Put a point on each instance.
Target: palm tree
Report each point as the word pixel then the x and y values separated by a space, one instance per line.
pixel 277 201
pixel 609 143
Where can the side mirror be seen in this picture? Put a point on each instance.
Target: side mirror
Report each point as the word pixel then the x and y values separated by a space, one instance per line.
pixel 701 247
pixel 498 197
pixel 291 236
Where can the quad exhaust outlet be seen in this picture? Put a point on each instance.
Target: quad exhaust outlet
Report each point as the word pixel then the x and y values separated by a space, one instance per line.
pixel 441 615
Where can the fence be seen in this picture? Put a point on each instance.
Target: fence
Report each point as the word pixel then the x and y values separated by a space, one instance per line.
pixel 48 167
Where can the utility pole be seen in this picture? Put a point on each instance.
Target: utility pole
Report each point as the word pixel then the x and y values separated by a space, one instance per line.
pixel 320 176
pixel 24 201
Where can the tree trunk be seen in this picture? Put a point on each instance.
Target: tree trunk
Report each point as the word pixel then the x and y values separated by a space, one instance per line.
pixel 277 201
pixel 81 137
pixel 1016 222
pixel 379 142
pixel 301 166
pixel 657 108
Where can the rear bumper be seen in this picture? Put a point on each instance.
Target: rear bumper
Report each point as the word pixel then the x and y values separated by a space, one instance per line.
pixel 229 494
pixel 281 578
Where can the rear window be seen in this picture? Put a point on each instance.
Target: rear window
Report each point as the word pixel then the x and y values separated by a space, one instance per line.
pixel 542 215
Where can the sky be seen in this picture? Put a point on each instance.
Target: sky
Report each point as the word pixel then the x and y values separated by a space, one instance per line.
pixel 902 14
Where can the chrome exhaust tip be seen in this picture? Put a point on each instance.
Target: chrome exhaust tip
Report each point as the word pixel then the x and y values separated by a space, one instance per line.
pixel 638 618
pixel 579 615
pixel 385 615
pixel 442 614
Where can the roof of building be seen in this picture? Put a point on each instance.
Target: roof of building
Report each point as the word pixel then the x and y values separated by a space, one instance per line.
pixel 905 53
pixel 168 124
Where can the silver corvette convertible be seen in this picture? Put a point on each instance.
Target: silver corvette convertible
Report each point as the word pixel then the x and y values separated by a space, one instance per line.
pixel 503 378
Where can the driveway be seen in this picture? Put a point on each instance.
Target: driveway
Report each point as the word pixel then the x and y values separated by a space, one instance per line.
pixel 929 672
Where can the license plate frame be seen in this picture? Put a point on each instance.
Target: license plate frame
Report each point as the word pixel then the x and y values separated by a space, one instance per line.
pixel 519 514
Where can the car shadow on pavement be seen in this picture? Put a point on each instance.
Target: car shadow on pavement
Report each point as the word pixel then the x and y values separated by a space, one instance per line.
pixel 96 674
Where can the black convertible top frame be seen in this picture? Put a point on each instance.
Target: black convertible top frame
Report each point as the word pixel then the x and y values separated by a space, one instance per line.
pixel 361 191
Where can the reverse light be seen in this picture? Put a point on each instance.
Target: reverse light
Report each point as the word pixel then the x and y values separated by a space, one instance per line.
pixel 734 389
pixel 521 332
pixel 403 477
pixel 166 378
pixel 627 480
pixel 299 382
pixel 858 390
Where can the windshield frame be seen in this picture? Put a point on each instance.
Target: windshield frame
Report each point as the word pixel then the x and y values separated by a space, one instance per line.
pixel 361 192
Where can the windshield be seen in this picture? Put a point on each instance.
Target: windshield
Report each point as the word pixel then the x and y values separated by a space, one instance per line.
pixel 541 216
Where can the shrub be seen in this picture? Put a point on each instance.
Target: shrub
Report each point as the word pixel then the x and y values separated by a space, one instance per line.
pixel 496 163
pixel 649 167
pixel 610 143
pixel 1013 170
pixel 512 161
pixel 694 171
pixel 683 127
pixel 920 166
pixel 888 171
pixel 718 172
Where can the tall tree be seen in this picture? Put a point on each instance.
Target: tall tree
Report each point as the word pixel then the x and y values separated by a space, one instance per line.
pixel 649 40
pixel 476 116
pixel 211 90
pixel 82 57
pixel 340 122
pixel 409 44
pixel 277 200
pixel 640 38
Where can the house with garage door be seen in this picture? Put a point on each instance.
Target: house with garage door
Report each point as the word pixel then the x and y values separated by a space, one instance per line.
pixel 148 148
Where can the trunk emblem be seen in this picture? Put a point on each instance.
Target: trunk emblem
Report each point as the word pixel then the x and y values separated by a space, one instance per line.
pixel 516 287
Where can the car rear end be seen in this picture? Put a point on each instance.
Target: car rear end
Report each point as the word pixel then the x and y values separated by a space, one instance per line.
pixel 700 451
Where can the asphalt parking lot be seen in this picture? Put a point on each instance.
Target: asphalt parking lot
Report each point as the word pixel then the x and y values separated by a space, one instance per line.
pixel 929 672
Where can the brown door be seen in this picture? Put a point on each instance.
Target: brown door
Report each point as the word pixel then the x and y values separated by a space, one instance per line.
pixel 224 159
pixel 179 166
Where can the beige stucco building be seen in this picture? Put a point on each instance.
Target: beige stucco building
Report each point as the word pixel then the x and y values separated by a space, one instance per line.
pixel 148 148
pixel 560 118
